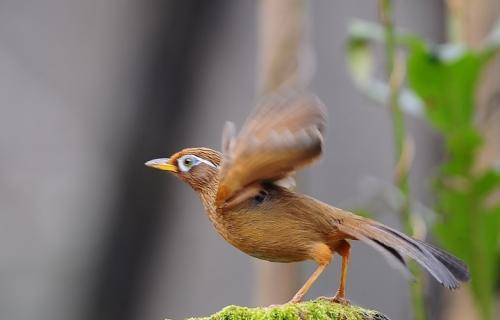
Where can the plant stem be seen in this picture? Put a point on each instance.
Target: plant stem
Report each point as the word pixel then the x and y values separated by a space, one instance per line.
pixel 400 135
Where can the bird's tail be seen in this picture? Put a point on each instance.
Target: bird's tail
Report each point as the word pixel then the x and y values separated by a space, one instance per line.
pixel 447 269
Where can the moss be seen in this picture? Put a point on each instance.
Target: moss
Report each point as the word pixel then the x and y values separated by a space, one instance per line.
pixel 310 310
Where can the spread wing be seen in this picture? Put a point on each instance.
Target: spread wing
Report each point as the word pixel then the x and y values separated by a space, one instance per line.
pixel 283 134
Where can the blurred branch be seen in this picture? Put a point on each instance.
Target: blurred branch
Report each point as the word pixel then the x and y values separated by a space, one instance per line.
pixel 281 55
pixel 281 44
pixel 319 309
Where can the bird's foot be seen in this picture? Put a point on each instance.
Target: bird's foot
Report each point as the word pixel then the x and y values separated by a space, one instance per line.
pixel 296 298
pixel 337 299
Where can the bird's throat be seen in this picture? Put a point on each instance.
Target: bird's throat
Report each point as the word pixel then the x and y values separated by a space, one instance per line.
pixel 207 196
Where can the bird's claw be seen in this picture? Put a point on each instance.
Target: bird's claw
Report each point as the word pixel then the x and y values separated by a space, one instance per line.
pixel 296 298
pixel 337 299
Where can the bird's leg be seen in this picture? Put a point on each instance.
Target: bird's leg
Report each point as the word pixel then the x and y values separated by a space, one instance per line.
pixel 302 291
pixel 344 250
pixel 322 254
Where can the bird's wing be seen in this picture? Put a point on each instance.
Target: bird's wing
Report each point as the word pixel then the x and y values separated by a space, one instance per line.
pixel 283 134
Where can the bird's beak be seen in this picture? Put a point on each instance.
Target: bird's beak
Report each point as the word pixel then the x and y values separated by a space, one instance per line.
pixel 161 164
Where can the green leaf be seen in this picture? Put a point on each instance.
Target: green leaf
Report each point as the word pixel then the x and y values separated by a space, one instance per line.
pixel 360 55
pixel 446 84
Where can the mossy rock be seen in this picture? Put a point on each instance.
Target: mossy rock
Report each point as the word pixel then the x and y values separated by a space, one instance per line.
pixel 310 310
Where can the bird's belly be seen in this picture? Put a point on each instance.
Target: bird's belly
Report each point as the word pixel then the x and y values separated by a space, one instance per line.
pixel 268 239
pixel 272 257
pixel 274 251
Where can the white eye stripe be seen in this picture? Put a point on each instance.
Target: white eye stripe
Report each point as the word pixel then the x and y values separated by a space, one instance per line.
pixel 193 161
pixel 207 162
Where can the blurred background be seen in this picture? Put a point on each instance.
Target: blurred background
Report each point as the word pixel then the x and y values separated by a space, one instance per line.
pixel 90 90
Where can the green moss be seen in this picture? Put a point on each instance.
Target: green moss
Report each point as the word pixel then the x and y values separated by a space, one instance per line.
pixel 310 310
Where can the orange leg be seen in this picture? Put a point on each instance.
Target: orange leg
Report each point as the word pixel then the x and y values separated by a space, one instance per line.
pixel 343 250
pixel 302 292
pixel 322 254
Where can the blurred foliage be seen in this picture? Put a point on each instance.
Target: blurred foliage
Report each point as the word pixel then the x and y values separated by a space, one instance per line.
pixel 361 61
pixel 468 226
pixel 442 83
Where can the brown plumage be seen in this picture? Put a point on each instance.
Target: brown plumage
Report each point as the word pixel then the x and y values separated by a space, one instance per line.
pixel 245 193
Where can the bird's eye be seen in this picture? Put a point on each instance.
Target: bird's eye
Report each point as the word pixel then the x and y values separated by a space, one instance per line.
pixel 188 162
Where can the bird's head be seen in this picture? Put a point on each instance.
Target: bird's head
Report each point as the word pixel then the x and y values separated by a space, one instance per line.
pixel 198 167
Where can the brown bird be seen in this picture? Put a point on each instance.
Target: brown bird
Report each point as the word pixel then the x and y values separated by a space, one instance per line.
pixel 247 194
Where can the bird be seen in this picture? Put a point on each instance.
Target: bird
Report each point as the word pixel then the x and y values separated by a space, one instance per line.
pixel 247 191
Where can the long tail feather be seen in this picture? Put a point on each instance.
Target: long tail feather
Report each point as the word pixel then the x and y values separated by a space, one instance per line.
pixel 448 270
pixel 456 266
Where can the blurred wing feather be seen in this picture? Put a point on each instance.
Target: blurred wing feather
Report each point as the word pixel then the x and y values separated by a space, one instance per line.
pixel 283 134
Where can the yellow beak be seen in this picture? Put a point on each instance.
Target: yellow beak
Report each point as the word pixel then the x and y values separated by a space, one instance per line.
pixel 161 164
